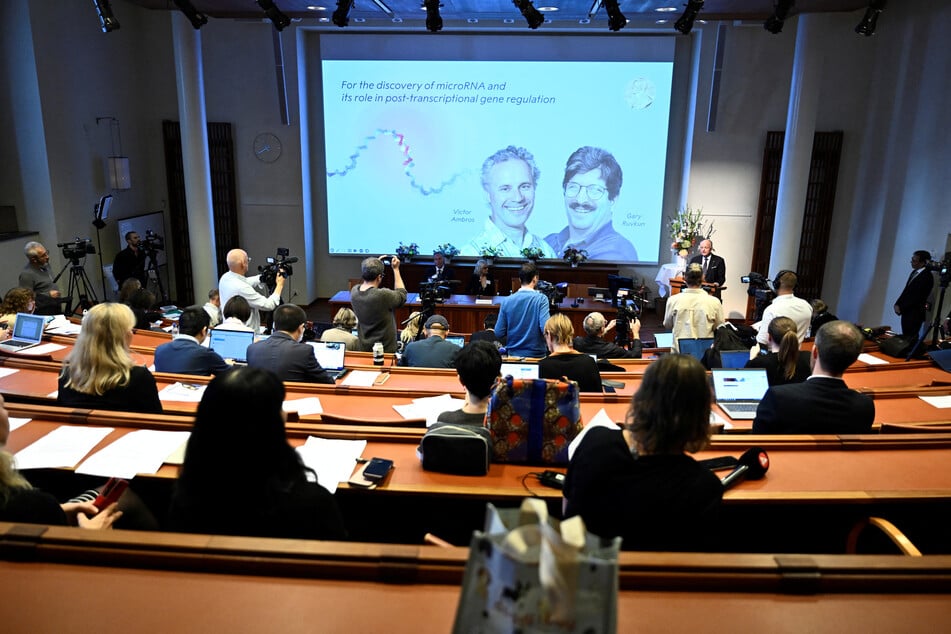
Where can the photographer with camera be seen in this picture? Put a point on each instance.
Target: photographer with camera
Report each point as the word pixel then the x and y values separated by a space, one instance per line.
pixel 374 306
pixel 36 277
pixel 913 301
pixel 235 283
pixel 130 261
pixel 786 304
pixel 595 327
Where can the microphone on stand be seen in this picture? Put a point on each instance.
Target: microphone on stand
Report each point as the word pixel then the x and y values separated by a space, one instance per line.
pixel 752 465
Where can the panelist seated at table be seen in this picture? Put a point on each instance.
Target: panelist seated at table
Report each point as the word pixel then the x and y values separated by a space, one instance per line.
pixel 785 362
pixel 283 353
pixel 433 351
pixel 439 271
pixel 241 476
pixel 564 361
pixel 481 282
pixel 639 484
pixel 478 365
pixel 595 327
pixel 185 354
pixel 99 372
pixel 823 404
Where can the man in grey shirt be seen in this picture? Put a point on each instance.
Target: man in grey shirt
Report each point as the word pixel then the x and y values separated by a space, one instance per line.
pixel 36 277
pixel 374 305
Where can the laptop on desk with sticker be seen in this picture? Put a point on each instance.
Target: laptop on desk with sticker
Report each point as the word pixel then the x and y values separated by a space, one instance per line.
pixel 330 355
pixel 27 332
pixel 739 391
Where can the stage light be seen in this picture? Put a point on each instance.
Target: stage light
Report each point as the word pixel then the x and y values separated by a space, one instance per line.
pixel 616 19
pixel 867 26
pixel 277 18
pixel 433 19
pixel 194 16
pixel 685 22
pixel 341 16
pixel 774 24
pixel 107 21
pixel 532 15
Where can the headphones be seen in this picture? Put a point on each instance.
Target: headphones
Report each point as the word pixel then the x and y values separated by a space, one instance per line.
pixel 779 275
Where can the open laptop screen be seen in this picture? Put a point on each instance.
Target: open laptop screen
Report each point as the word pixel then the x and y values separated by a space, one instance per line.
pixel 28 327
pixel 520 370
pixel 231 344
pixel 694 347
pixel 330 354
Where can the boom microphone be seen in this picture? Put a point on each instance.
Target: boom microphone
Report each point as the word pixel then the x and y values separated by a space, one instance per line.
pixel 290 260
pixel 753 465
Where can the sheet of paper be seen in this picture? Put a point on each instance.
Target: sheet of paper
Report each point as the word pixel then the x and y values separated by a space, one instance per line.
pixel 62 326
pixel 62 447
pixel 141 451
pixel 333 460
pixel 177 456
pixel 43 348
pixel 941 402
pixel 716 419
pixel 429 407
pixel 16 423
pixel 360 378
pixel 182 392
pixel 7 372
pixel 601 419
pixel 872 360
pixel 304 406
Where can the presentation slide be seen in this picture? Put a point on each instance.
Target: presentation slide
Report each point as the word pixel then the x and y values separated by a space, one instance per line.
pixel 506 153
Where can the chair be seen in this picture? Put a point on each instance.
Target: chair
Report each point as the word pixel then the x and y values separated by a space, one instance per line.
pixel 888 529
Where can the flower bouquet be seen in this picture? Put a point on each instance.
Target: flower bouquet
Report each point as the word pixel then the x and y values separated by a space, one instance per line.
pixel 532 253
pixel 574 256
pixel 687 229
pixel 489 253
pixel 406 252
pixel 448 251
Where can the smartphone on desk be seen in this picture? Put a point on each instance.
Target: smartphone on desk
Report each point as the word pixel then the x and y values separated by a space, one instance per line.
pixel 372 473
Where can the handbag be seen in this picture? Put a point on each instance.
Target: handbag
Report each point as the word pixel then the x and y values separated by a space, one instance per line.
pixel 531 574
pixel 457 449
pixel 533 420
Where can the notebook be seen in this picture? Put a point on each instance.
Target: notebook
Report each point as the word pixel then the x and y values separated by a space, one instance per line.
pixel 739 391
pixel 459 340
pixel 27 332
pixel 330 356
pixel 734 358
pixel 694 347
pixel 664 339
pixel 520 370
pixel 231 344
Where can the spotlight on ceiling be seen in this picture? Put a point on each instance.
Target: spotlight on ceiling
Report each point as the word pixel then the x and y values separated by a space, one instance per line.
pixel 867 26
pixel 774 24
pixel 616 19
pixel 341 16
pixel 532 15
pixel 277 18
pixel 433 19
pixel 194 16
pixel 685 22
pixel 107 21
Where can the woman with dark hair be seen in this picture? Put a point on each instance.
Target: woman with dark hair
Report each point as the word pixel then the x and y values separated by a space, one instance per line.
pixel 785 363
pixel 142 303
pixel 639 484
pixel 236 313
pixel 268 494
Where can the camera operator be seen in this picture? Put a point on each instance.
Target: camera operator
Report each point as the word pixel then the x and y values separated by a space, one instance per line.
pixel 130 261
pixel 235 283
pixel 36 277
pixel 595 327
pixel 786 304
pixel 913 301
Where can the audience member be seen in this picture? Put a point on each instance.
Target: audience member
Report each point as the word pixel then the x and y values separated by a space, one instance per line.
pixel 481 282
pixel 283 353
pixel 237 313
pixel 595 327
pixel 489 333
pixel 433 351
pixel 130 261
pixel 213 308
pixel 410 332
pixel 439 271
pixel 99 372
pixel 269 494
pixel 785 363
pixel 820 316
pixel 374 305
pixel 142 303
pixel 785 304
pixel 564 361
pixel 478 365
pixel 912 304
pixel 127 289
pixel 37 277
pixel 342 331
pixel 17 300
pixel 235 282
pixel 823 404
pixel 655 498
pixel 522 317
pixel 185 354
pixel 692 313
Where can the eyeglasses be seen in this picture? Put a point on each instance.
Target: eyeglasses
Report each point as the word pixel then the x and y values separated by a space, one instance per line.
pixel 594 192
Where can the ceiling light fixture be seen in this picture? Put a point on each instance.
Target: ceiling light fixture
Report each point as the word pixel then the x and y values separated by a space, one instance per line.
pixel 277 18
pixel 867 26
pixel 532 15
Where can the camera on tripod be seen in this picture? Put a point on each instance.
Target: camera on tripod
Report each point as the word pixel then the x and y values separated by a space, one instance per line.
pixel 280 264
pixel 761 290
pixel 78 248
pixel 433 292
pixel 941 267
pixel 554 292
pixel 152 242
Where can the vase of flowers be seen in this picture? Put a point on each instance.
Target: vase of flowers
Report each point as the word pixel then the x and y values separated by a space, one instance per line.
pixel 574 256
pixel 687 229
pixel 489 253
pixel 532 253
pixel 406 252
pixel 448 251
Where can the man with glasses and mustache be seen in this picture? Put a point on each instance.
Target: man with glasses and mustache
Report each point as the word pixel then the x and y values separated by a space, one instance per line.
pixel 592 183
pixel 509 177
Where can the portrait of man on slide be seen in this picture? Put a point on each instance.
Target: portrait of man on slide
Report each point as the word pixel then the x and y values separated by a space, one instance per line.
pixel 591 186
pixel 509 178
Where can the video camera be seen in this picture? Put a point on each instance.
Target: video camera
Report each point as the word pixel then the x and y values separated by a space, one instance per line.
pixel 433 292
pixel 941 267
pixel 78 248
pixel 554 292
pixel 280 264
pixel 152 242
pixel 761 290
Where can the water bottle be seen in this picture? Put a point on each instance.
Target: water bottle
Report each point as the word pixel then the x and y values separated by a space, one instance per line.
pixel 378 353
pixel 174 329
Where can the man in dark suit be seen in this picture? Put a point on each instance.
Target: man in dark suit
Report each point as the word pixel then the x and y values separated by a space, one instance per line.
pixel 595 327
pixel 130 261
pixel 433 351
pixel 489 333
pixel 913 301
pixel 283 353
pixel 822 404
pixel 185 354
pixel 439 271
pixel 713 266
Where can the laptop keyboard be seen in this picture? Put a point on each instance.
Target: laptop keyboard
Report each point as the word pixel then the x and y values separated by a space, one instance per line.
pixel 17 344
pixel 740 407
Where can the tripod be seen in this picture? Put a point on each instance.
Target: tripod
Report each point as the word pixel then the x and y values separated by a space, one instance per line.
pixel 153 267
pixel 935 328
pixel 79 285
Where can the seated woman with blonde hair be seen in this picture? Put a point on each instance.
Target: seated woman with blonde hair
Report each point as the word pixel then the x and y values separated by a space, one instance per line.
pixel 342 332
pixel 565 361
pixel 99 372
pixel 17 300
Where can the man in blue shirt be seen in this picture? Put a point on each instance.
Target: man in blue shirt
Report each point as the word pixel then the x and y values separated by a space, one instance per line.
pixel 522 317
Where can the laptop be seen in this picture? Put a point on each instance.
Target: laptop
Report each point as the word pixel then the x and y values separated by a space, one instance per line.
pixel 231 344
pixel 459 340
pixel 27 332
pixel 520 370
pixel 695 347
pixel 663 339
pixel 739 391
pixel 330 356
pixel 734 358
